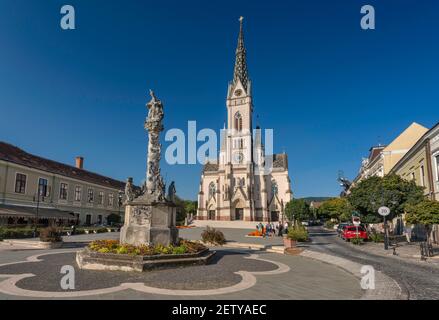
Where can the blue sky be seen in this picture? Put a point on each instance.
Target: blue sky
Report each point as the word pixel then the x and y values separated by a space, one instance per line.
pixel 328 88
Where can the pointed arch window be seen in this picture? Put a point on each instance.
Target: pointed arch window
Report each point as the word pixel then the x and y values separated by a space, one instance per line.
pixel 238 121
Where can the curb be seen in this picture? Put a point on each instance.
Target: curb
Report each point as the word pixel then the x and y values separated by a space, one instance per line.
pixel 386 288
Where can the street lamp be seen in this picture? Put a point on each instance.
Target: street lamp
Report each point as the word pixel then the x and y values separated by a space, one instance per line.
pixel 120 199
pixel 37 198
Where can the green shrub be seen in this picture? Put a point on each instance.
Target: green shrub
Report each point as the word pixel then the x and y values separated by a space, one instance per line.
pixel 357 241
pixel 16 233
pixel 51 234
pixel 101 230
pixel 113 246
pixel 376 237
pixel 298 233
pixel 329 224
pixel 213 236
pixel 179 250
pixel 79 231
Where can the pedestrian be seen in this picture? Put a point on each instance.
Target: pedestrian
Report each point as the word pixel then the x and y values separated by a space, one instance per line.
pixel 280 231
pixel 73 227
pixel 408 232
pixel 285 227
pixel 267 229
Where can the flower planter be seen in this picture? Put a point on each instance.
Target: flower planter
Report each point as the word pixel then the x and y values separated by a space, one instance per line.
pixel 289 243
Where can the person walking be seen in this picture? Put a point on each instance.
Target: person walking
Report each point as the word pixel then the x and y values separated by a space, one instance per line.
pixel 408 233
pixel 285 227
pixel 280 232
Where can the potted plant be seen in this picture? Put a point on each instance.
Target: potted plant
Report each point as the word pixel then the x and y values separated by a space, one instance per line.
pixel 294 235
pixel 51 236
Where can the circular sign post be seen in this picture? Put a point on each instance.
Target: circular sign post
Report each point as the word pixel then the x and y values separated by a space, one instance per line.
pixel 384 212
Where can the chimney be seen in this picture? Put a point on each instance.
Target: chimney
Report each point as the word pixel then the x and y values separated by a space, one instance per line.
pixel 79 162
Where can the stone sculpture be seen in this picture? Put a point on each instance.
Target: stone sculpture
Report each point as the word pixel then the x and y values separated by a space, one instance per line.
pixel 150 218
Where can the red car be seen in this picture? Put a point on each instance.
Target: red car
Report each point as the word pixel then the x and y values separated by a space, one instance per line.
pixel 350 232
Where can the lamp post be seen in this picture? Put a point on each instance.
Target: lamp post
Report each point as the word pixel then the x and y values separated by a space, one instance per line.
pixel 120 199
pixel 36 199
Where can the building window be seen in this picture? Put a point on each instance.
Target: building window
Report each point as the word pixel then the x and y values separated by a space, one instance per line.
pixel 110 199
pixel 63 191
pixel 90 195
pixel 101 198
pixel 78 192
pixel 422 172
pixel 20 183
pixel 238 121
pixel 43 187
pixel 212 189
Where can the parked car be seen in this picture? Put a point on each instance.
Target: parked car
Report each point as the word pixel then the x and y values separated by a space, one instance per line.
pixel 340 228
pixel 350 232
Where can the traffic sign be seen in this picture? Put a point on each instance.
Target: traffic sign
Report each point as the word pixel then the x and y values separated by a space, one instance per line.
pixel 356 221
pixel 384 211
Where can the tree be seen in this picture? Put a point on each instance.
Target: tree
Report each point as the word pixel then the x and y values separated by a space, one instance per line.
pixel 391 191
pixel 336 208
pixel 184 207
pixel 113 219
pixel 425 212
pixel 297 209
pixel 191 206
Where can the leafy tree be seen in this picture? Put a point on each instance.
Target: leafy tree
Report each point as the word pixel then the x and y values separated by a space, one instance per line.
pixel 297 209
pixel 184 207
pixel 391 191
pixel 191 206
pixel 336 208
pixel 425 212
pixel 113 219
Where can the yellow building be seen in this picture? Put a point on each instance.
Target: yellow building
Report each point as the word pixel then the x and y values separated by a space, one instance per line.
pixel 417 164
pixel 383 158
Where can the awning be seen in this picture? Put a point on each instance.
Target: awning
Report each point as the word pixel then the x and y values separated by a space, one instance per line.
pixel 11 211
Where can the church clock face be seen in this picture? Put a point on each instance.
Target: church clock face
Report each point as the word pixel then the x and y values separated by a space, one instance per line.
pixel 238 157
pixel 238 92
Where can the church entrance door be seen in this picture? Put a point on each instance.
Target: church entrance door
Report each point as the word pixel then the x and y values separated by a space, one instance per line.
pixel 211 215
pixel 239 214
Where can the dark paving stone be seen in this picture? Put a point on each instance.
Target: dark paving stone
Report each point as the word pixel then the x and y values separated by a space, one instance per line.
pixel 219 273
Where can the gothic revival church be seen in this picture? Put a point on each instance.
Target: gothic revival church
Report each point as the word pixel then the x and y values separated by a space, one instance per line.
pixel 234 187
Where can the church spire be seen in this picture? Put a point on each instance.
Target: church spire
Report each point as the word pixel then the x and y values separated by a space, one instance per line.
pixel 240 71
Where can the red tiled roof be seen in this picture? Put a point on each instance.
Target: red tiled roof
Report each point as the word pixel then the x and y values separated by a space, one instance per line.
pixel 375 152
pixel 16 155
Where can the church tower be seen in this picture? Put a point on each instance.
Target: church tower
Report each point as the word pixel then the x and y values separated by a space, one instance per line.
pixel 230 189
pixel 239 109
